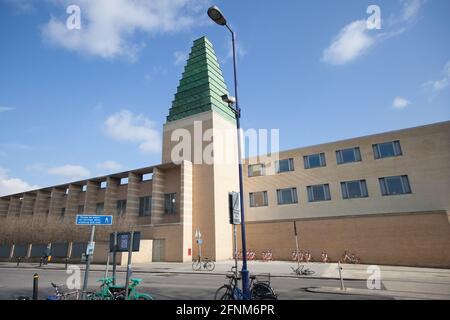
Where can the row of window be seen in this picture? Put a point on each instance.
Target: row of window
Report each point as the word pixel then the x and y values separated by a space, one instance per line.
pixel 389 186
pixel 380 151
pixel 145 206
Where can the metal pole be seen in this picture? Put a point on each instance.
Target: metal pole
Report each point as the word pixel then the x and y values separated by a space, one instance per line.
pixel 107 264
pixel 88 264
pixel 340 276
pixel 244 272
pixel 130 251
pixel 35 286
pixel 114 258
pixel 296 244
pixel 235 248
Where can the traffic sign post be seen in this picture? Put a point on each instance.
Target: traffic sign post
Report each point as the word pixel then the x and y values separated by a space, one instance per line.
pixel 91 220
pixel 234 207
pixel 198 236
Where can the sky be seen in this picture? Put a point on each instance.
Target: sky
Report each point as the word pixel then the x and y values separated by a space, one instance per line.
pixel 79 103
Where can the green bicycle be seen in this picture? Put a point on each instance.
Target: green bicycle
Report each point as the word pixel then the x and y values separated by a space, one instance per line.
pixel 109 291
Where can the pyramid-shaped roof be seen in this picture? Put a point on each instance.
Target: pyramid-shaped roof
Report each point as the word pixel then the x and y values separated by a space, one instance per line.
pixel 202 85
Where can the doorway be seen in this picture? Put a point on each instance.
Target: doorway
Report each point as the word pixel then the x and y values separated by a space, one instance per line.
pixel 158 252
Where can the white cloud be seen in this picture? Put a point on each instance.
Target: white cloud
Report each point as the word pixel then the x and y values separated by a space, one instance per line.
pixel 5 109
pixel 110 166
pixel 411 9
pixel 72 172
pixel 10 185
pixel 108 27
pixel 438 85
pixel 124 126
pixel 355 38
pixel 180 57
pixel 400 103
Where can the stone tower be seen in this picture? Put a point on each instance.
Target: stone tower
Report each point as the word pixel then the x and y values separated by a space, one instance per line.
pixel 201 122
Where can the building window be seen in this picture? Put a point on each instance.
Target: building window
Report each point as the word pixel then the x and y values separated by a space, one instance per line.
pixel 100 208
pixel 145 206
pixel 319 192
pixel 256 170
pixel 170 203
pixel 354 189
pixel 80 209
pixel 391 186
pixel 63 212
pixel 258 199
pixel 285 165
pixel 121 207
pixel 287 196
pixel 314 161
pixel 387 150
pixel 348 155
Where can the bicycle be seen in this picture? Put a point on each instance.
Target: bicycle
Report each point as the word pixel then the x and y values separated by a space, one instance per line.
pixel 206 264
pixel 267 255
pixel 60 295
pixel 302 271
pixel 259 290
pixel 324 257
pixel 109 291
pixel 350 258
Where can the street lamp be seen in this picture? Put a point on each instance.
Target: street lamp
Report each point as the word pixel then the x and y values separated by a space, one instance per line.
pixel 218 17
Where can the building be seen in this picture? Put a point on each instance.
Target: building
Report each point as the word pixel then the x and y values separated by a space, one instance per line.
pixel 383 197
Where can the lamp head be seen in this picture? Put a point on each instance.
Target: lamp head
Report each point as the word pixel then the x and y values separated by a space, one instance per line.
pixel 229 99
pixel 217 16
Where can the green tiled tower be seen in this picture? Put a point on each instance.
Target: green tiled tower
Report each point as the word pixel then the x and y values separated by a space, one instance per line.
pixel 201 86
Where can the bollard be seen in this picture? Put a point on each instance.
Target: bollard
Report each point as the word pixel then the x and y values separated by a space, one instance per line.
pixel 340 276
pixel 40 262
pixel 35 286
pixel 67 262
pixel 18 260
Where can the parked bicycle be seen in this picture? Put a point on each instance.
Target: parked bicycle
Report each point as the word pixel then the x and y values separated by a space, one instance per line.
pixel 109 291
pixel 350 258
pixel 267 255
pixel 63 295
pixel 259 290
pixel 324 257
pixel 251 255
pixel 204 263
pixel 302 271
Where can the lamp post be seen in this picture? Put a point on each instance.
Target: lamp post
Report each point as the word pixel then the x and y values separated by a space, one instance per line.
pixel 217 16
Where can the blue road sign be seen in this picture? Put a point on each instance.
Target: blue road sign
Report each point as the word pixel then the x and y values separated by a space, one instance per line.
pixel 94 220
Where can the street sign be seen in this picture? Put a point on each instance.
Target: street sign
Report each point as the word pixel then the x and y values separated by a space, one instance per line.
pixel 92 220
pixel 200 241
pixel 123 241
pixel 234 207
pixel 90 248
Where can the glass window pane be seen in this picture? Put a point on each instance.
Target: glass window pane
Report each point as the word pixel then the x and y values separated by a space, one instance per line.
pixel 284 166
pixel 318 193
pixel 314 161
pixel 394 185
pixel 386 149
pixel 348 155
pixel 354 189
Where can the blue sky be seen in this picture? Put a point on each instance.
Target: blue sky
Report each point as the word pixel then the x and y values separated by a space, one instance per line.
pixel 80 103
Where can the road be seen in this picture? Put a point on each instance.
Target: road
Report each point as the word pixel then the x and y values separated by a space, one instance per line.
pixel 167 286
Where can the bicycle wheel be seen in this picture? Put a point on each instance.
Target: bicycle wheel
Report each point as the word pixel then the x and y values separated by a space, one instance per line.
pixel 262 291
pixel 196 265
pixel 225 292
pixel 142 296
pixel 210 265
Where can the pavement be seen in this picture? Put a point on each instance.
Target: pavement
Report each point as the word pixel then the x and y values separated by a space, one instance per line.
pixel 397 282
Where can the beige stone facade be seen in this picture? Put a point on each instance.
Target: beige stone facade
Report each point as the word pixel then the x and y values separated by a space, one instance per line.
pixel 404 229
